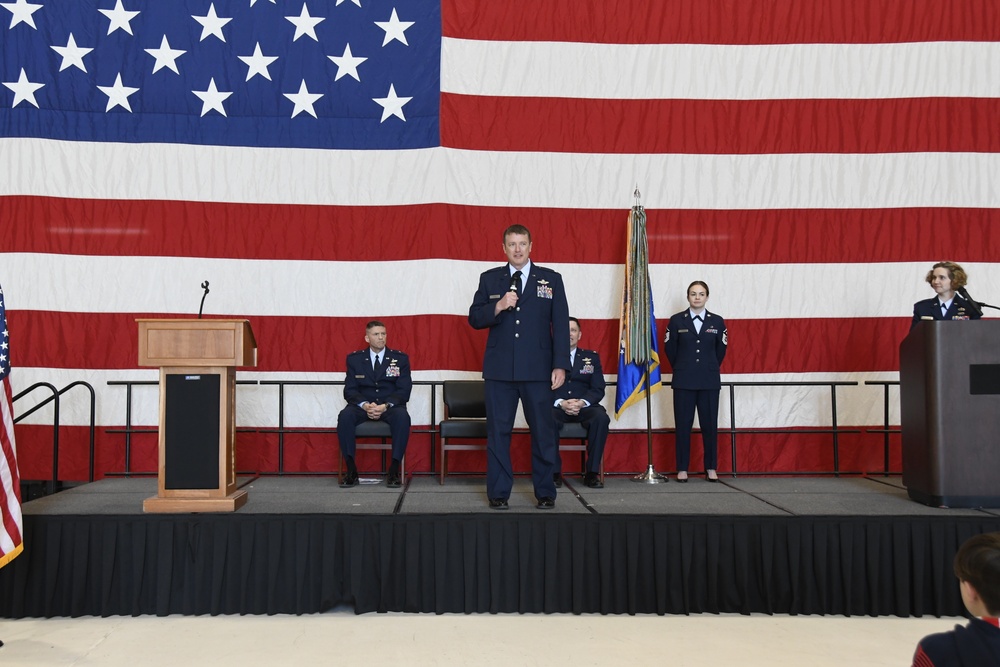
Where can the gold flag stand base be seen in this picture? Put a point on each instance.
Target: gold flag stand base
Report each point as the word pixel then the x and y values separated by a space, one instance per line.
pixel 650 477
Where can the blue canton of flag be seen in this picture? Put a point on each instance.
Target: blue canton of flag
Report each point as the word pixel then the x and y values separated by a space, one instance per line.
pixel 355 74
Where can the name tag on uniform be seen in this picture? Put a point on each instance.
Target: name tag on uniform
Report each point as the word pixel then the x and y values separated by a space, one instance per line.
pixel 683 330
pixel 494 296
pixel 359 377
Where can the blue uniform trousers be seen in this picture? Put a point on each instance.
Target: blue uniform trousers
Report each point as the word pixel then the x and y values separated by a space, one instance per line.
pixel 396 417
pixel 501 409
pixel 707 403
pixel 597 422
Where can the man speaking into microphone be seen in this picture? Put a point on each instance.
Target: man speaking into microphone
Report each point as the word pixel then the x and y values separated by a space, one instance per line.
pixel 527 356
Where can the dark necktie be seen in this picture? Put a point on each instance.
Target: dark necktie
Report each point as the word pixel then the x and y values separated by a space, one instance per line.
pixel 698 317
pixel 944 310
pixel 376 365
pixel 518 282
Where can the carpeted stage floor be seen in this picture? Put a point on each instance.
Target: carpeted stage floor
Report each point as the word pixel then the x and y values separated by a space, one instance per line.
pixel 741 496
pixel 853 546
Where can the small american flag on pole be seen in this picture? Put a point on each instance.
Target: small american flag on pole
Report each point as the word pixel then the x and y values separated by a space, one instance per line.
pixel 11 542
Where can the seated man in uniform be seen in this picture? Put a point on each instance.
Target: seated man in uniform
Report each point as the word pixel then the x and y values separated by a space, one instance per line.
pixel 377 387
pixel 977 566
pixel 579 400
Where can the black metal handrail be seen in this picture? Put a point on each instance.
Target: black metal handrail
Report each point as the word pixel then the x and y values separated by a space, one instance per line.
pixel 886 429
pixel 129 430
pixel 281 430
pixel 54 399
pixel 834 430
pixel 433 430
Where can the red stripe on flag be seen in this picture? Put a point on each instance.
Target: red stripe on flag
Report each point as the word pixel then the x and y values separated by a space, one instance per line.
pixel 330 233
pixel 447 343
pixel 721 126
pixel 724 22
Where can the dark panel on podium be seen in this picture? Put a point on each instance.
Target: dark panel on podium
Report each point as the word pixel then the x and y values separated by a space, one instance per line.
pixel 192 431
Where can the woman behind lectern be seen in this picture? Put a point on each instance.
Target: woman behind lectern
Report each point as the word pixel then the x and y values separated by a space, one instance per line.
pixel 946 279
pixel 695 345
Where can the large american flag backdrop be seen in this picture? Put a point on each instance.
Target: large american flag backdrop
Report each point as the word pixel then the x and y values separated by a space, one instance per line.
pixel 325 162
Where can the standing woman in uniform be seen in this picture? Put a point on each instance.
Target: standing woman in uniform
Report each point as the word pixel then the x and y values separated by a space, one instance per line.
pixel 695 346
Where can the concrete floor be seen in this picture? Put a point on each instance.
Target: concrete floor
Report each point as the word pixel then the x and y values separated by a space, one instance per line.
pixel 341 637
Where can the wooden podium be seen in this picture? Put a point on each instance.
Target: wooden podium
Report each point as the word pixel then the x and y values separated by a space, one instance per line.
pixel 949 386
pixel 197 361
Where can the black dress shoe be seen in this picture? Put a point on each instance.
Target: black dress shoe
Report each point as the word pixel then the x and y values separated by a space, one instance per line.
pixel 711 479
pixel 350 479
pixel 557 480
pixel 546 503
pixel 593 480
pixel 393 481
pixel 498 503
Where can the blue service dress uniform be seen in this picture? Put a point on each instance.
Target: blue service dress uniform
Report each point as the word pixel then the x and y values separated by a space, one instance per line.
pixel 695 359
pixel 960 309
pixel 586 381
pixel 523 347
pixel 392 385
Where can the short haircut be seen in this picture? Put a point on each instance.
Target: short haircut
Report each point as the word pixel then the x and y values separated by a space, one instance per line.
pixel 698 282
pixel 371 325
pixel 978 562
pixel 955 272
pixel 516 229
pixel 573 319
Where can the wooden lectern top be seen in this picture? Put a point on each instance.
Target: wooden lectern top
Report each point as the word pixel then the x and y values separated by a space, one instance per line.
pixel 196 342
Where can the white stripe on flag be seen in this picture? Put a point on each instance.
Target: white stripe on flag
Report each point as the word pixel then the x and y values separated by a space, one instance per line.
pixel 720 71
pixel 545 180
pixel 274 288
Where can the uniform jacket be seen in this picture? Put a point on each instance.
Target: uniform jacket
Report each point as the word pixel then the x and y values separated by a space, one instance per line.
pixel 694 357
pixel 959 310
pixel 585 380
pixel 392 385
pixel 975 644
pixel 527 343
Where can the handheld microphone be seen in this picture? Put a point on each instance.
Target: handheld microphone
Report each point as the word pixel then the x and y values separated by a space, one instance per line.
pixel 975 305
pixel 512 288
pixel 204 286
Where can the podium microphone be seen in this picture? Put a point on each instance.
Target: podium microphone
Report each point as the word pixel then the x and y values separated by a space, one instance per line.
pixel 204 286
pixel 976 306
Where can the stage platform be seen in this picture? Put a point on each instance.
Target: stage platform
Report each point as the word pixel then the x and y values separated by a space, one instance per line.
pixel 852 546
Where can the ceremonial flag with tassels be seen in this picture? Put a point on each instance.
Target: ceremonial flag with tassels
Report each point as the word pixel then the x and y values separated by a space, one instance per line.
pixel 639 347
pixel 10 484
